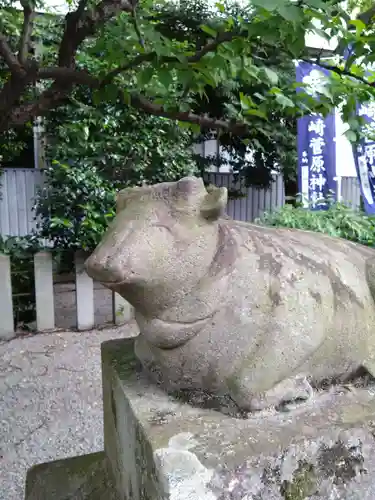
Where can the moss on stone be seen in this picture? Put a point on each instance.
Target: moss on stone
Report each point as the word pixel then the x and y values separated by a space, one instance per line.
pixel 340 462
pixel 303 484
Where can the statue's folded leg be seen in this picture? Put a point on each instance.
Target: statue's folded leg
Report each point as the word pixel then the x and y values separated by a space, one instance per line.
pixel 270 375
pixel 291 391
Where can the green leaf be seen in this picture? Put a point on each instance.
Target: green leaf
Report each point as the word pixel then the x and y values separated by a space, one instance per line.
pixel 210 31
pixel 111 93
pixel 165 77
pixel 144 76
pixel 195 128
pixel 183 125
pixel 351 136
pixel 272 76
pixel 256 112
pixel 267 4
pixel 284 101
pixel 246 101
pixel 359 25
pixel 127 98
pixel 98 96
pixel 317 4
pixel 291 13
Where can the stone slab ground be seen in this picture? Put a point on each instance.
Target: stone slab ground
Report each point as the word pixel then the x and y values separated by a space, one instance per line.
pixel 86 476
pixel 50 401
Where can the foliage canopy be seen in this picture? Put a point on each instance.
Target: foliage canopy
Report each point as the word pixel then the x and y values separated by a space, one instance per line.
pixel 118 49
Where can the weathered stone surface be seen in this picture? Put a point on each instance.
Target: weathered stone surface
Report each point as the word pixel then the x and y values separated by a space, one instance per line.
pixel 262 314
pixel 160 448
pixel 84 477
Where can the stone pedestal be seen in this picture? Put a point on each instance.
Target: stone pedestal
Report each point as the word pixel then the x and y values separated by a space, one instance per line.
pixel 160 447
pixel 180 447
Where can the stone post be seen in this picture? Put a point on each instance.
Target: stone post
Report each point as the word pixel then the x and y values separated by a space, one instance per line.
pixel 44 293
pixel 84 294
pixel 6 301
pixel 122 310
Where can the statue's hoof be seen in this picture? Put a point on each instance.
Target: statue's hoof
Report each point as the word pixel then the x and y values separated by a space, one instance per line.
pixel 287 395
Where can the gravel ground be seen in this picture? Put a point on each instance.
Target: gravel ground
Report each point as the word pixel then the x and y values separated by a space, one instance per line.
pixel 50 400
pixel 66 310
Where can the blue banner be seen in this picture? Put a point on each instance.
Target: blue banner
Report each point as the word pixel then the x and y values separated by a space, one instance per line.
pixel 364 151
pixel 364 157
pixel 316 145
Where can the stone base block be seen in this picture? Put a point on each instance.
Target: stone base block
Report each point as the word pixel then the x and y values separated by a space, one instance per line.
pixel 79 478
pixel 180 447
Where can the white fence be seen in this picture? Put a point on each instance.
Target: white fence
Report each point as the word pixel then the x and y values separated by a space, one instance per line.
pixel 122 312
pixel 351 191
pixel 253 202
pixel 18 187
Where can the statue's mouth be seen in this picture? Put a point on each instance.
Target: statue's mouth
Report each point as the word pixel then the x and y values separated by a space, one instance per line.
pixel 131 278
pixel 112 284
pixel 166 334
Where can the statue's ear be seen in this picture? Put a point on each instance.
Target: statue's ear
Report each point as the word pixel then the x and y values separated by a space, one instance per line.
pixel 126 194
pixel 214 203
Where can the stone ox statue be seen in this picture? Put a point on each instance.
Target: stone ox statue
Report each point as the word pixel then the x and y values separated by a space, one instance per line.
pixel 257 313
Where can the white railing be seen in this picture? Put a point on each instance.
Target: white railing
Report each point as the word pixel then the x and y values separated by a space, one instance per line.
pixel 122 312
pixel 18 188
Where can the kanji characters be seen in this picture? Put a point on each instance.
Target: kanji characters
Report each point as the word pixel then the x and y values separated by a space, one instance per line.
pixel 317 144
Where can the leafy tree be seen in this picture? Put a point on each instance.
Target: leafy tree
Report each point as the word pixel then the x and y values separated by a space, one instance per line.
pixel 268 143
pixel 74 206
pixel 151 72
pixel 17 147
pixel 126 146
pixel 115 139
pixel 94 152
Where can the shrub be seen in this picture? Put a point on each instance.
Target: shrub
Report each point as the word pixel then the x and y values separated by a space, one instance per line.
pixel 77 202
pixel 74 206
pixel 338 220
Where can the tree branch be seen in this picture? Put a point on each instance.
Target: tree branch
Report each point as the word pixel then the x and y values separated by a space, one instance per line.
pixel 71 76
pixel 27 28
pixel 57 92
pixel 80 76
pixel 367 16
pixel 134 63
pixel 28 111
pixel 226 36
pixel 136 28
pixel 51 98
pixel 84 22
pixel 204 121
pixel 341 72
pixel 10 59
pixel 9 97
pixel 149 57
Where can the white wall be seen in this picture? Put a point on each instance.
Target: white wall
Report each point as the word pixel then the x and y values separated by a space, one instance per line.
pixel 345 166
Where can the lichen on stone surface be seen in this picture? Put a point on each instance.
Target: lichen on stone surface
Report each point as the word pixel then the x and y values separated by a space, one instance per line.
pixel 303 484
pixel 342 462
pixel 181 473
